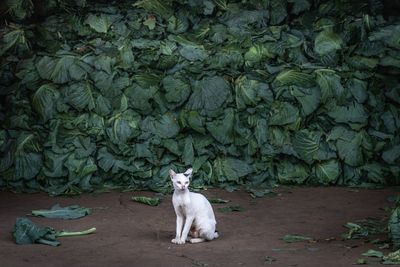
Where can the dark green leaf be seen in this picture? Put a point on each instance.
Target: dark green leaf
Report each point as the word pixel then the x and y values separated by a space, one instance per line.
pixel 99 23
pixel 306 144
pixel 222 130
pixel 326 42
pixel 209 95
pixel 283 113
pixel 327 172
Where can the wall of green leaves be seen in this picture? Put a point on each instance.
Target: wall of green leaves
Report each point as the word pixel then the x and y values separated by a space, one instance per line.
pixel 96 96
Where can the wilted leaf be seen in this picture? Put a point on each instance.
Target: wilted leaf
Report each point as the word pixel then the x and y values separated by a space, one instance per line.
pixel 361 261
pixel 218 200
pixel 373 253
pixel 26 232
pixel 152 201
pixel 295 238
pixel 68 212
pixel 231 209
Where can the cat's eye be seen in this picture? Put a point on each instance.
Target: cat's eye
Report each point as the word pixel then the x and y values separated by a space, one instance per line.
pixel 186 182
pixel 179 182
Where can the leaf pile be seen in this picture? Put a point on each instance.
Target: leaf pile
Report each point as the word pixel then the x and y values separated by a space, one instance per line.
pixel 246 92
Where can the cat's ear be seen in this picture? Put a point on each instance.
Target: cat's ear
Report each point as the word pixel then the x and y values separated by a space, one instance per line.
pixel 188 172
pixel 172 174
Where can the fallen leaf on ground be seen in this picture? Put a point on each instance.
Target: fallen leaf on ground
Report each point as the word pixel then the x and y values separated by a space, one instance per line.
pixel 231 208
pixel 296 238
pixel 152 201
pixel 58 212
pixel 392 258
pixel 218 200
pixel 361 261
pixel 373 253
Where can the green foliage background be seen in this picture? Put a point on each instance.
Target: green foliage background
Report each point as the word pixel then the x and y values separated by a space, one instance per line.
pixel 250 93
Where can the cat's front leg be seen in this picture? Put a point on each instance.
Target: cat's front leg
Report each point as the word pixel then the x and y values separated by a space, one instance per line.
pixel 186 229
pixel 179 224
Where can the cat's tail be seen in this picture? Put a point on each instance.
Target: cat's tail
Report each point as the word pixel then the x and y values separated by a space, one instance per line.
pixel 210 236
pixel 216 235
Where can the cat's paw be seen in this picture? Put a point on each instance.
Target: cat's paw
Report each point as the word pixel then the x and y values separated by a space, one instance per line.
pixel 180 242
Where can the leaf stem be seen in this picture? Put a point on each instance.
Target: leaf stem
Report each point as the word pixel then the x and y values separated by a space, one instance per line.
pixel 86 232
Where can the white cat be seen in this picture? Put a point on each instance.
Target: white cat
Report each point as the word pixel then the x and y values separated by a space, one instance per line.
pixel 194 214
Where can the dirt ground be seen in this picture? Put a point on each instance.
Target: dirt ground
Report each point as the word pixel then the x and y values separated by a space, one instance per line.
pixel 134 234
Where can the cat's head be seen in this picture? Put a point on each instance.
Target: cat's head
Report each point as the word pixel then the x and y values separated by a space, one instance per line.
pixel 181 181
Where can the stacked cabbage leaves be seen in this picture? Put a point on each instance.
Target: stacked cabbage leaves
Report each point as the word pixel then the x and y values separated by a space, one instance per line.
pixel 246 92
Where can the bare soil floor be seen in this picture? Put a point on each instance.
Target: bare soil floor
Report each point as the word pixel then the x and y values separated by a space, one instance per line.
pixel 134 234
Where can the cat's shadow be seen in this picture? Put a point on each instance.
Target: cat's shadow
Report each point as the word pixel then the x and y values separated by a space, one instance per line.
pixel 159 235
